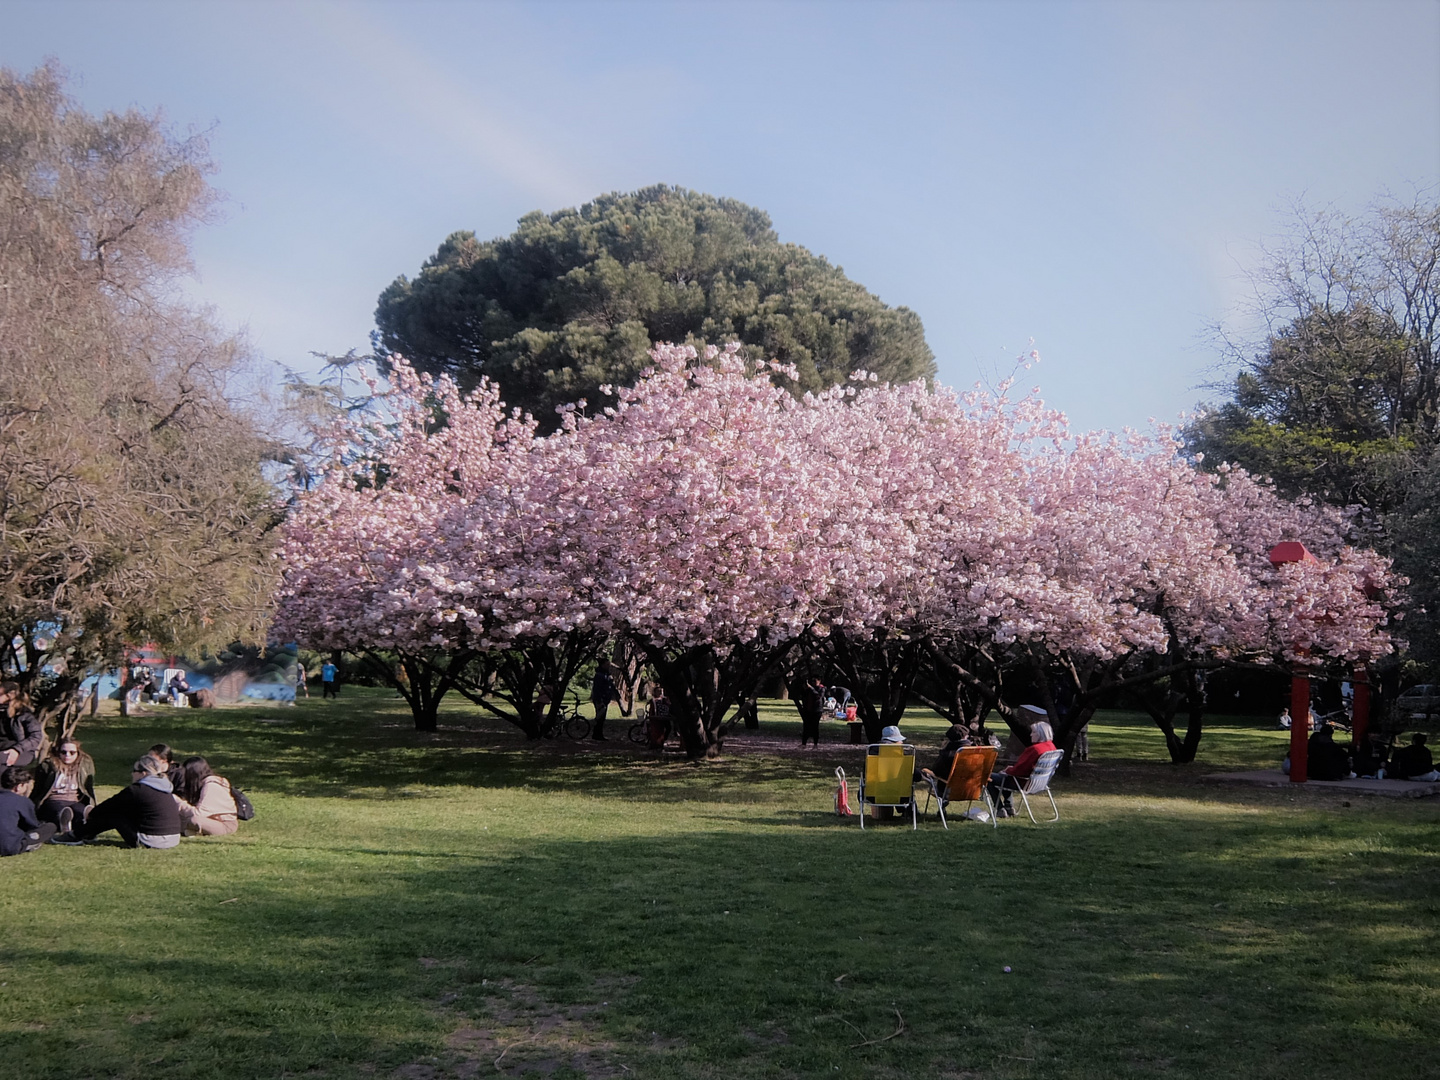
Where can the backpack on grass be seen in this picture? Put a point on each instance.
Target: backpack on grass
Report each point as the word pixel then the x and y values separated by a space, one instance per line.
pixel 244 808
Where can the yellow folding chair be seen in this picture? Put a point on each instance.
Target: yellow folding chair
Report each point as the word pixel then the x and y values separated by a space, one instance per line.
pixel 889 779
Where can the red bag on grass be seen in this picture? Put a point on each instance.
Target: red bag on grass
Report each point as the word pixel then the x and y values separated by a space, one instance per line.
pixel 842 795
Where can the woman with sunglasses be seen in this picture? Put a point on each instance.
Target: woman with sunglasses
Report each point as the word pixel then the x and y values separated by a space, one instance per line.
pixel 64 785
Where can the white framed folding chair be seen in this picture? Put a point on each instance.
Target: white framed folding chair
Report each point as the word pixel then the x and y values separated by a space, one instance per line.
pixel 1036 783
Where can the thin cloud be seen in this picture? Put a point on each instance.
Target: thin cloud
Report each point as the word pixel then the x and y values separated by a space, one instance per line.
pixel 445 105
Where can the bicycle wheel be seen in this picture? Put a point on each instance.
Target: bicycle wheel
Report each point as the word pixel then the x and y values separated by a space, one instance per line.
pixel 576 726
pixel 638 733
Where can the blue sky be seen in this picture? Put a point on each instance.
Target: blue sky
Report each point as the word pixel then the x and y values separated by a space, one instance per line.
pixel 1095 176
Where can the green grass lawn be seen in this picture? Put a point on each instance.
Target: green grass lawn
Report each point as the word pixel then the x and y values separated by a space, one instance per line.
pixel 461 904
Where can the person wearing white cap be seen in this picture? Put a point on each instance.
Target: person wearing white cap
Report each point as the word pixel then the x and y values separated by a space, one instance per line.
pixel 1042 739
pixel 892 736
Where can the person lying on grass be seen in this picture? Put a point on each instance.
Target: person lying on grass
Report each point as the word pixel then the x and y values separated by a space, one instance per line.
pixel 144 813
pixel 20 829
pixel 204 800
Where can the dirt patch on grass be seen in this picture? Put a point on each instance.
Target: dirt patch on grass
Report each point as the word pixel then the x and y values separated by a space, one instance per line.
pixel 526 1034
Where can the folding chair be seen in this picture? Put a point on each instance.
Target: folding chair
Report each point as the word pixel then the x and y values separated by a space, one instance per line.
pixel 969 773
pixel 1038 781
pixel 889 779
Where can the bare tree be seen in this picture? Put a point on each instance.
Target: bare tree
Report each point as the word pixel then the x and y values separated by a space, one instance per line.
pixel 133 501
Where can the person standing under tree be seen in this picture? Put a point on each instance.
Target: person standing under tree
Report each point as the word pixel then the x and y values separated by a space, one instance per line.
pixel 602 692
pixel 329 680
pixel 812 704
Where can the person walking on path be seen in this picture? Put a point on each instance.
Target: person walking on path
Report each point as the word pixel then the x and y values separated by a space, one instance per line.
pixel 329 680
pixel 602 692
pixel 301 686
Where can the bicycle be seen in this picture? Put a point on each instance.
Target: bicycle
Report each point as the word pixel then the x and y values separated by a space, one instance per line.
pixel 570 723
pixel 639 731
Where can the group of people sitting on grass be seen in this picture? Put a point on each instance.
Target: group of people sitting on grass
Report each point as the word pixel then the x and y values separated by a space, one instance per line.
pixel 1325 759
pixel 166 799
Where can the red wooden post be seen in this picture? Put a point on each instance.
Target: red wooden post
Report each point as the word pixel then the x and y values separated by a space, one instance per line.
pixel 1360 707
pixel 1299 729
pixel 1292 551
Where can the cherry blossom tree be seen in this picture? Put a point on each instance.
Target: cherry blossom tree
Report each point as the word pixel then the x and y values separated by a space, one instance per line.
pixel 714 522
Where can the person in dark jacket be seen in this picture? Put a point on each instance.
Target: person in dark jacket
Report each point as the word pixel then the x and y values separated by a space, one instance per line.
pixel 811 704
pixel 602 692
pixel 20 829
pixel 957 736
pixel 20 730
pixel 144 814
pixel 1325 760
pixel 1412 762
pixel 64 785
pixel 1369 759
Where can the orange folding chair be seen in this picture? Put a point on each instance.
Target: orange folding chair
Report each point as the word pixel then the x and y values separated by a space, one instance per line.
pixel 968 776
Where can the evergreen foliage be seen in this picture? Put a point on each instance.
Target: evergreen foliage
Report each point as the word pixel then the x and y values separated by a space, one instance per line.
pixel 574 300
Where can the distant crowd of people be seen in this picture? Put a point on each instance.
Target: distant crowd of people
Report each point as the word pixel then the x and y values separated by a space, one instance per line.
pixel 54 800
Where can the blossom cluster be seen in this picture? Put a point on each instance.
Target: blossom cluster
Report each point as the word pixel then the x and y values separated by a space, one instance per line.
pixel 708 506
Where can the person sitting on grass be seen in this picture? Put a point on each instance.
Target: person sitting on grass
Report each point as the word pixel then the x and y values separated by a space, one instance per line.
pixel 1413 762
pixel 1002 783
pixel 206 806
pixel 20 829
pixel 1326 760
pixel 162 753
pixel 64 785
pixel 144 813
pixel 20 730
pixel 1369 759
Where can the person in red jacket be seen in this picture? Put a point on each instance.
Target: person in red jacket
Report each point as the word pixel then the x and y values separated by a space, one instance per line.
pixel 1042 739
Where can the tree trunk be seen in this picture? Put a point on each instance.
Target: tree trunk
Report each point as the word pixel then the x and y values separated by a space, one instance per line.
pixel 879 673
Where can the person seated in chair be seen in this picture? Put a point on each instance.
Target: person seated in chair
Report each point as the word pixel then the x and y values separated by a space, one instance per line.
pixel 1002 783
pixel 1327 761
pixel 889 736
pixel 1413 762
pixel 144 813
pixel 956 736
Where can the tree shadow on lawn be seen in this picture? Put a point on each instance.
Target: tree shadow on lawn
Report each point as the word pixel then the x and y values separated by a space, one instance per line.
pixel 1136 945
pixel 331 752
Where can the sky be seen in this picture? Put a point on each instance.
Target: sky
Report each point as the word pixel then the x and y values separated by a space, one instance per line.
pixel 1095 178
